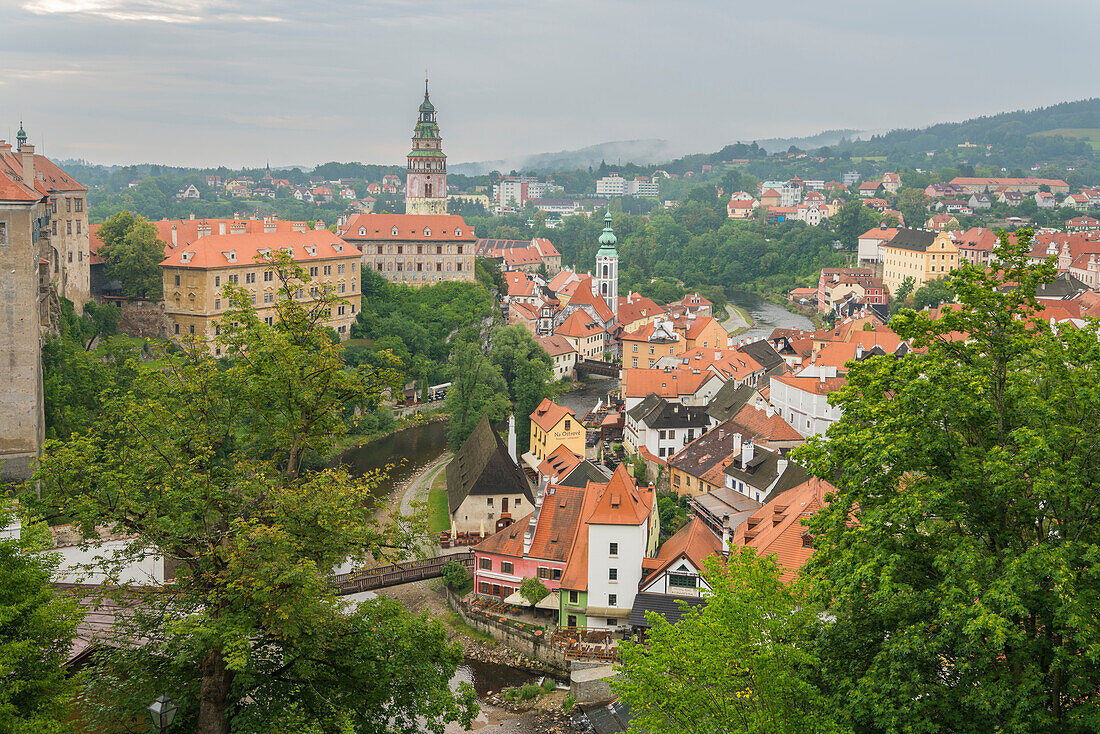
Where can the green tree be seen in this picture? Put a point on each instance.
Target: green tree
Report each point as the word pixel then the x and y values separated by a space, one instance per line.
pixel 203 463
pixel 739 663
pixel 37 628
pixel 913 205
pixel 526 369
pixel 477 389
pixel 133 254
pixel 533 591
pixel 933 293
pixel 958 558
pixel 852 220
pixel 901 295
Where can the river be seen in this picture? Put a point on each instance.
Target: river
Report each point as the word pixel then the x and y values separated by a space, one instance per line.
pixel 401 455
pixel 766 316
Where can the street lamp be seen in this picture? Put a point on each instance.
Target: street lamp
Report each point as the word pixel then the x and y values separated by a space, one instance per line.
pixel 163 711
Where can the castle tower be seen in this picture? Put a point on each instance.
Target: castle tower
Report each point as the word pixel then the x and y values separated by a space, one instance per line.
pixel 607 267
pixel 20 138
pixel 426 177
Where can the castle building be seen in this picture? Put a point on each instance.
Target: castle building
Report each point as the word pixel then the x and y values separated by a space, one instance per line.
pixel 426 177
pixel 195 275
pixel 43 256
pixel 415 249
pixel 607 267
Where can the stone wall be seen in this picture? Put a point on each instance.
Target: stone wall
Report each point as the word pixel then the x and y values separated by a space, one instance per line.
pixel 533 646
pixel 142 317
pixel 590 683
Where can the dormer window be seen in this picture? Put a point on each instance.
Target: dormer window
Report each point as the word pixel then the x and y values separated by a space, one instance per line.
pixel 362 231
pixel 427 232
pixel 458 233
pixel 231 256
pixel 338 248
pixel 394 231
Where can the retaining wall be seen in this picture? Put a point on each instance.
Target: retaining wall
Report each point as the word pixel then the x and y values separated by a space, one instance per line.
pixel 526 643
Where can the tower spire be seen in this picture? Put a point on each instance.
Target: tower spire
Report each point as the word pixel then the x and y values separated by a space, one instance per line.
pixel 425 84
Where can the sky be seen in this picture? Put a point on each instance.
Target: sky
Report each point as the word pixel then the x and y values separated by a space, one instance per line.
pixel 302 82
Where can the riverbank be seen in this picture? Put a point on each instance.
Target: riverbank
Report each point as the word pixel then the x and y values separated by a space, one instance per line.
pixel 739 320
pixel 358 440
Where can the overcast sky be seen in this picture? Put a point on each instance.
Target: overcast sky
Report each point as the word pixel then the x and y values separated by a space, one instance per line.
pixel 207 82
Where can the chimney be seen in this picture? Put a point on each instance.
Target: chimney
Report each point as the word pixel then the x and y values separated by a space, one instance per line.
pixel 512 438
pixel 859 351
pixel 748 450
pixel 192 215
pixel 737 443
pixel 769 409
pixel 221 227
pixel 780 467
pixel 174 238
pixel 725 532
pixel 27 151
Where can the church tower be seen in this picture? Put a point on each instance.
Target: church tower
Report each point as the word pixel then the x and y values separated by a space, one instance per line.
pixel 607 267
pixel 426 178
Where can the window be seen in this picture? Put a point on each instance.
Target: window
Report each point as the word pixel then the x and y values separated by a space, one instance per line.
pixel 506 567
pixel 328 270
pixel 681 580
pixel 69 227
pixel 459 267
pixel 635 362
pixel 249 278
pixel 460 252
pixel 68 205
pixel 78 226
pixel 651 349
pixel 572 597
pixel 439 249
pixel 635 350
pixel 612 574
pixel 339 268
pixel 544 573
pixel 485 564
pixel 612 622
pixel 79 203
pixel 613 549
pixel 234 279
pixel 191 329
pixel 217 281
pixel 380 249
pixel 313 271
pixel 568 424
pixel 177 329
pixel 177 280
pixel 484 588
pixel 217 304
pixel 489 501
pixel 555 574
pixel 268 276
pixel 269 298
pixel 612 600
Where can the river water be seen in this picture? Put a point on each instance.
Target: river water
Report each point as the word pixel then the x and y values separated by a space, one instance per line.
pixel 766 316
pixel 400 456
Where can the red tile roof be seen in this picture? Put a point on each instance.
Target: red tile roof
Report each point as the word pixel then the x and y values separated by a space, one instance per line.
pixel 579 325
pixel 426 227
pixel 584 295
pixel 555 344
pixel 694 541
pixel 777 529
pixel 235 250
pixel 640 382
pixel 549 414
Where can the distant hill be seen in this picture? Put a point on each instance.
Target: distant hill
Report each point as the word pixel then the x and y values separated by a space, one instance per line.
pixel 988 130
pixel 811 142
pixel 640 152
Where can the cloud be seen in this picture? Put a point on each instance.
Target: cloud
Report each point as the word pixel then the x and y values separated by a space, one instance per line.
pixel 150 11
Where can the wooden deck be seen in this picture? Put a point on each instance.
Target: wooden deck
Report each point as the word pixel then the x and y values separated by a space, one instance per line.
pixel 396 574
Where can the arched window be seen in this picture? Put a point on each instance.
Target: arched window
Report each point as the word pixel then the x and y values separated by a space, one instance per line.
pixel 605 271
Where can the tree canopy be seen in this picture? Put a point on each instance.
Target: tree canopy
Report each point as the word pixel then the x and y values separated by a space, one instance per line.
pixel 202 462
pixel 958 558
pixel 133 253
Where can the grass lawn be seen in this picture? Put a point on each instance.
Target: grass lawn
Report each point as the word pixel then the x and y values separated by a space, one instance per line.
pixel 1091 134
pixel 439 519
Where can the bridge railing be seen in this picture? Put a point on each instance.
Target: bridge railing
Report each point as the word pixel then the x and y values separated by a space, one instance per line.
pixel 394 574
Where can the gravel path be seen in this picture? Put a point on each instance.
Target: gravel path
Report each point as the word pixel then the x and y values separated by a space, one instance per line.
pixel 737 321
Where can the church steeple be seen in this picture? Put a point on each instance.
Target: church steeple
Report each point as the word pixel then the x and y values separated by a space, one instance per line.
pixel 607 266
pixel 20 137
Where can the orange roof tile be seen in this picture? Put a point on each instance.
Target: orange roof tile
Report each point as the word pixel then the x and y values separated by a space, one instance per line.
pixel 776 528
pixel 235 250
pixel 549 414
pixel 426 227
pixel 584 295
pixel 622 502
pixel 579 325
pixel 640 382
pixel 694 541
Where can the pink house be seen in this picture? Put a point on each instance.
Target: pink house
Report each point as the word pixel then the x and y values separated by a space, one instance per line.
pixel 537 546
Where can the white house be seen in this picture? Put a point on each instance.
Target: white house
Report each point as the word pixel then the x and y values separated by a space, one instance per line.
pixel 802 399
pixel 663 427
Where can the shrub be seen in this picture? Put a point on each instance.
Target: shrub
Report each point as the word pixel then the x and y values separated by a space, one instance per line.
pixel 569 703
pixel 528 691
pixel 549 684
pixel 455 575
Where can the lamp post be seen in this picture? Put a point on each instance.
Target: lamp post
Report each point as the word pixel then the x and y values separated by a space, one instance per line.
pixel 163 710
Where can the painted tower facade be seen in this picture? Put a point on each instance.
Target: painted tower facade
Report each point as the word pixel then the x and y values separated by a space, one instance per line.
pixel 607 267
pixel 426 178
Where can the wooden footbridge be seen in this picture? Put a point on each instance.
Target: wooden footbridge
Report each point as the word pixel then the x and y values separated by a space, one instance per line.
pixel 597 367
pixel 369 579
